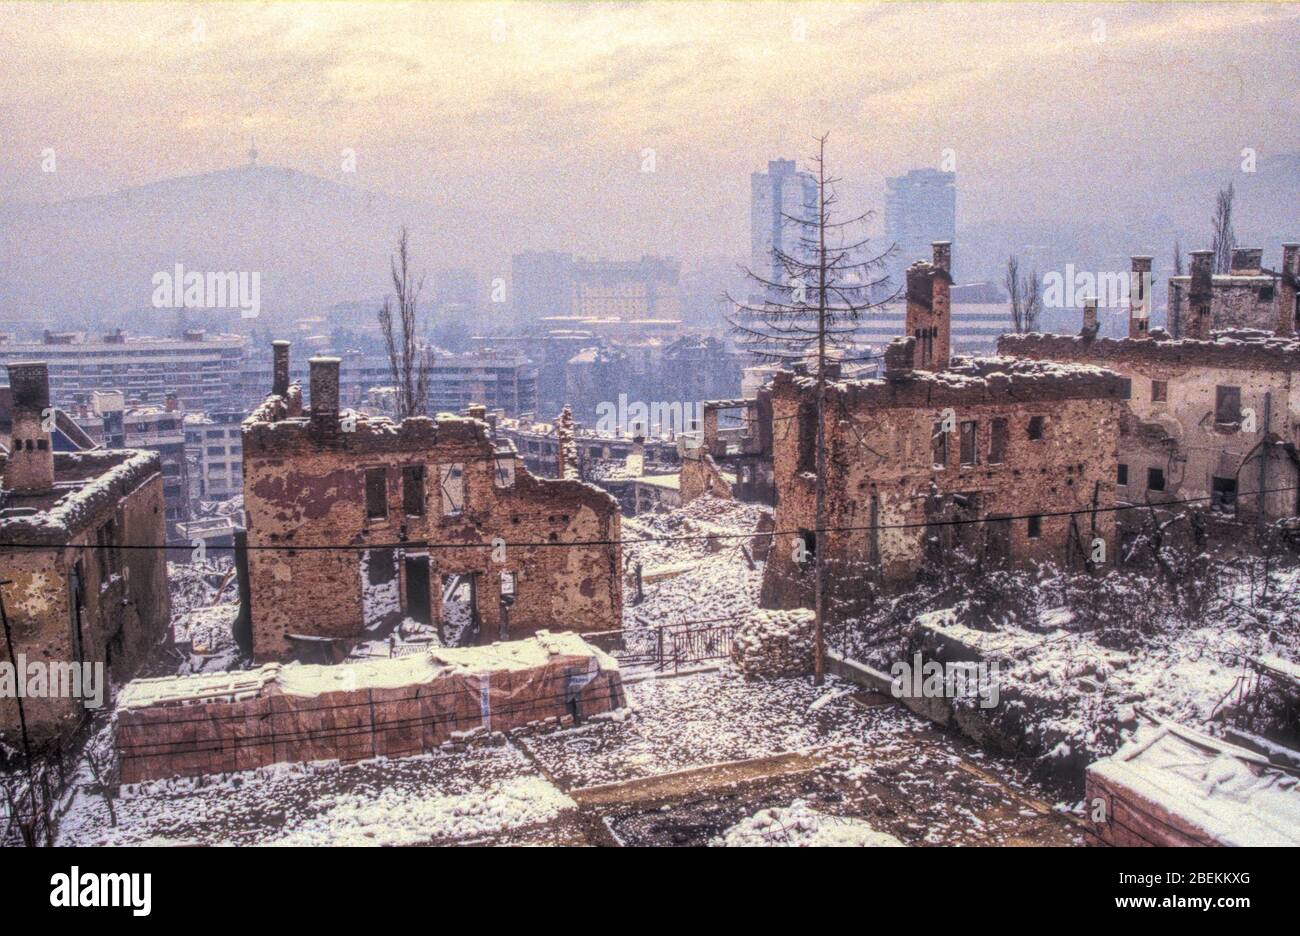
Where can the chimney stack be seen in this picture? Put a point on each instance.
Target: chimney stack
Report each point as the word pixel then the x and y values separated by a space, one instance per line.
pixel 171 403
pixel 929 318
pixel 1090 324
pixel 1288 308
pixel 31 459
pixel 280 368
pixel 1139 298
pixel 899 355
pixel 1247 261
pixel 1200 295
pixel 324 395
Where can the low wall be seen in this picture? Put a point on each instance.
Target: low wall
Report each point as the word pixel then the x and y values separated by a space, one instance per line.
pixel 278 713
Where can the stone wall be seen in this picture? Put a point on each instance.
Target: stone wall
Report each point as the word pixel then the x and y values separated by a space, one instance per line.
pixel 194 725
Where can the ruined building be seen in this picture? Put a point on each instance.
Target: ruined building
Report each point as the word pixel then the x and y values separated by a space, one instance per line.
pixel 73 595
pixel 732 461
pixel 984 455
pixel 1249 296
pixel 343 509
pixel 1213 419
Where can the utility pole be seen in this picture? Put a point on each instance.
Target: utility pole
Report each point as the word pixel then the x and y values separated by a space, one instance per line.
pixel 819 547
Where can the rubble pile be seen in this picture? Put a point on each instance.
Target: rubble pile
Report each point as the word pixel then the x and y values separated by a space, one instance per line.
pixel 774 643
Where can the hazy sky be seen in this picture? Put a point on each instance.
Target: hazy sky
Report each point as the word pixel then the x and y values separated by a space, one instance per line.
pixel 533 121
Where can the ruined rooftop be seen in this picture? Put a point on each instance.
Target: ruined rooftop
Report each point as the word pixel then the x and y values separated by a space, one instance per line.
pixel 84 483
pixel 969 380
pixel 1230 348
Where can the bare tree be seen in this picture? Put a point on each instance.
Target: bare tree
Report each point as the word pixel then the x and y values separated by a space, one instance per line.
pixel 408 362
pixel 811 317
pixel 1224 239
pixel 1026 296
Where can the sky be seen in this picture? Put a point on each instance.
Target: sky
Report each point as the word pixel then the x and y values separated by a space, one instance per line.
pixel 616 129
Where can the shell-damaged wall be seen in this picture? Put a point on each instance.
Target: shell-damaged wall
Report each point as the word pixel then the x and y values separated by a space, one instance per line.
pixel 123 594
pixel 306 488
pixel 884 486
pixel 1174 428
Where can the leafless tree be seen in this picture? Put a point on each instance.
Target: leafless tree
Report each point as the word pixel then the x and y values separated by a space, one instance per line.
pixel 1224 239
pixel 811 317
pixel 1026 296
pixel 408 362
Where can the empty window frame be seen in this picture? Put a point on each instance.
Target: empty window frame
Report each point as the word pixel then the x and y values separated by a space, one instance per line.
pixel 1227 405
pixel 1223 494
pixel 1037 425
pixel 1159 391
pixel 999 436
pixel 1155 479
pixel 1121 474
pixel 504 470
pixel 1034 527
pixel 969 439
pixel 376 493
pixel 451 483
pixel 939 446
pixel 413 490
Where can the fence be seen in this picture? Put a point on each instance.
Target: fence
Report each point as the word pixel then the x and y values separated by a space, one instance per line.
pixel 667 646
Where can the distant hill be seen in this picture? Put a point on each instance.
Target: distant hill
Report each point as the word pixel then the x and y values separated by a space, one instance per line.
pixel 314 242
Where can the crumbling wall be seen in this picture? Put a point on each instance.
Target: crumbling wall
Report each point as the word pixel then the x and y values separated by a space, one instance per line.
pixel 701 475
pixel 305 496
pixel 890 509
pixel 773 644
pixel 1174 429
pixel 125 606
pixel 194 725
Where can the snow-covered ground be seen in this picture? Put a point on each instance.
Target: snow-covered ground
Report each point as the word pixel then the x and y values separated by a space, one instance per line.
pixel 703 579
pixel 800 826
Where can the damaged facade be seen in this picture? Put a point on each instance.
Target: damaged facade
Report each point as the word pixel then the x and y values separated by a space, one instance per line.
pixel 1249 296
pixel 936 457
pixel 74 596
pixel 730 461
pixel 338 504
pixel 1213 420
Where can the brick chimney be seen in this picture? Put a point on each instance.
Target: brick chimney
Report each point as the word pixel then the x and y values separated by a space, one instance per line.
pixel 324 395
pixel 1288 309
pixel 1247 261
pixel 1200 295
pixel 1139 298
pixel 899 356
pixel 929 318
pixel 1090 323
pixel 280 368
pixel 31 459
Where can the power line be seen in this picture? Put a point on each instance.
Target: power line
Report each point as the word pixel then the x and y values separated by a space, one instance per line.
pixel 674 538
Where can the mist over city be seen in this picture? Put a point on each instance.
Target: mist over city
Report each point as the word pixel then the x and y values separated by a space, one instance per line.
pixel 647 424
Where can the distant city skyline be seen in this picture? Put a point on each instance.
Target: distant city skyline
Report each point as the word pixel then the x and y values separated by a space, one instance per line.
pixel 619 131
